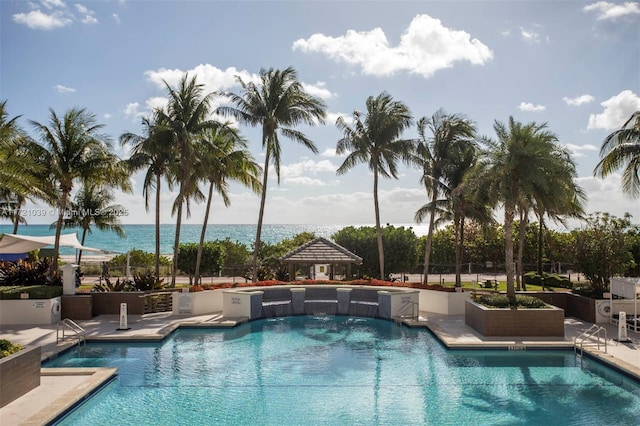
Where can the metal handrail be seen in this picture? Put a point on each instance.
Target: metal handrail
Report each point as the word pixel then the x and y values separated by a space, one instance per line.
pixel 594 330
pixel 400 315
pixel 79 332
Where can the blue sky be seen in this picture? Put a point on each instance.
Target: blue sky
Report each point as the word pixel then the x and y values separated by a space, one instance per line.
pixel 572 64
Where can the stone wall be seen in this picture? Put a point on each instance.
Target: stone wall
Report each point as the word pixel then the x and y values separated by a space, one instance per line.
pixel 19 374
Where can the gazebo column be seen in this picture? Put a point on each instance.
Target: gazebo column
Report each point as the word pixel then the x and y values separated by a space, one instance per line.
pixel 292 270
pixel 348 271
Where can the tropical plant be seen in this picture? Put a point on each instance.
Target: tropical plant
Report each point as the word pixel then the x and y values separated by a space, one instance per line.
pixel 622 148
pixel 92 206
pixel 21 169
pixel 7 348
pixel 213 255
pixel 513 170
pixel 153 152
pixel 603 249
pixel 223 157
pixel 76 150
pixel 444 157
pixel 185 118
pixel 373 139
pixel 277 104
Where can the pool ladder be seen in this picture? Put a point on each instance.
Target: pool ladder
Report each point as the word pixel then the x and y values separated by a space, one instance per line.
pixel 592 337
pixel 403 313
pixel 79 333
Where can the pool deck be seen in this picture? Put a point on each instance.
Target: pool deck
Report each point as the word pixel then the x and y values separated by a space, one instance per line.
pixel 61 389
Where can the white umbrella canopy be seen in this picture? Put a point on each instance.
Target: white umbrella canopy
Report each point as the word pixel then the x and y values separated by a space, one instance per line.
pixel 13 244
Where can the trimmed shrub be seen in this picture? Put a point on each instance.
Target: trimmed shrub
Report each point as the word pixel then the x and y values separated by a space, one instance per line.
pixel 502 301
pixel 7 348
pixel 35 292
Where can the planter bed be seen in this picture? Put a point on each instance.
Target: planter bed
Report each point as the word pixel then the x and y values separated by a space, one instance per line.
pixel 542 322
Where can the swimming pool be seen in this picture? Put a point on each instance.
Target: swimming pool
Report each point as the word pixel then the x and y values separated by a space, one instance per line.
pixel 343 370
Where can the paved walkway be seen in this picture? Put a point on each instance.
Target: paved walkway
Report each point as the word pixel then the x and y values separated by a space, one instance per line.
pixel 62 388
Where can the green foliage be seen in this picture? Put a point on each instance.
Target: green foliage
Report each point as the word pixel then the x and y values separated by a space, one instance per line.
pixel 148 281
pixel 118 285
pixel 27 273
pixel 138 258
pixel 502 301
pixel 236 254
pixel 7 348
pixel 603 249
pixel 213 255
pixel 35 292
pixel 401 247
pixel 547 280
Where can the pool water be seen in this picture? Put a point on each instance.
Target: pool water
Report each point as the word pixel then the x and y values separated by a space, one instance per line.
pixel 326 370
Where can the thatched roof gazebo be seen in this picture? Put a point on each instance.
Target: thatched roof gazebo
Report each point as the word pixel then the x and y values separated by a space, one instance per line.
pixel 320 251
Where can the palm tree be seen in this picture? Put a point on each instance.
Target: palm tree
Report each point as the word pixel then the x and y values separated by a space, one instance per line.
pixel 439 156
pixel 619 148
pixel 186 117
pixel 224 156
pixel 278 104
pixel 514 169
pixel 20 168
pixel 153 152
pixel 93 205
pixel 76 150
pixel 373 139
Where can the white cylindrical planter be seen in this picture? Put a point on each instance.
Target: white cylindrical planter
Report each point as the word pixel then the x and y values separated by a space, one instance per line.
pixel 69 279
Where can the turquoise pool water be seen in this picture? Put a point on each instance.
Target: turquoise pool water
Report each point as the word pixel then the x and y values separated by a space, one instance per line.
pixel 343 371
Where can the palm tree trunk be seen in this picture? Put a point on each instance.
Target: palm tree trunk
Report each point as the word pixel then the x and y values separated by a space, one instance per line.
pixel 509 213
pixel 521 233
pixel 427 248
pixel 540 231
pixel 521 238
pixel 56 247
pixel 202 234
pixel 16 218
pixel 459 237
pixel 378 229
pixel 84 234
pixel 176 242
pixel 263 199
pixel 158 181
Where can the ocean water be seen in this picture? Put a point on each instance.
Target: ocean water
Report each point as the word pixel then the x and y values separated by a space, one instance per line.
pixel 142 237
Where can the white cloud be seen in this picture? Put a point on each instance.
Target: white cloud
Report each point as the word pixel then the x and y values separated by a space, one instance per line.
pixel 306 167
pixel 579 100
pixel 304 181
pixel 506 33
pixel 529 36
pixel 38 20
pixel 329 152
pixel 212 77
pixel 425 47
pixel 606 10
pixel 63 89
pixel 605 195
pixel 116 17
pixel 52 4
pixel 528 106
pixel 617 110
pixel 132 110
pixel 578 150
pixel 333 116
pixel 82 9
pixel 89 20
pixel 107 116
pixel 318 90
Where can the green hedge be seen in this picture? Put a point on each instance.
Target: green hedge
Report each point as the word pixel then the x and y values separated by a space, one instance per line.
pixel 502 301
pixel 35 292
pixel 550 280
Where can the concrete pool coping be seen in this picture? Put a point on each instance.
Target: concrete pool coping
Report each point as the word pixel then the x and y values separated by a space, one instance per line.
pixel 61 389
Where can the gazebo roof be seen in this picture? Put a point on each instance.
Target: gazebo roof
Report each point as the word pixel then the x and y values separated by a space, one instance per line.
pixel 321 250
